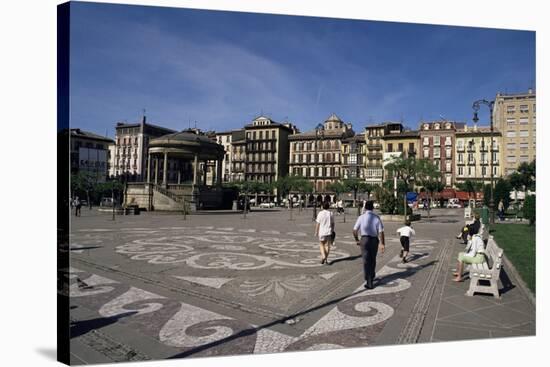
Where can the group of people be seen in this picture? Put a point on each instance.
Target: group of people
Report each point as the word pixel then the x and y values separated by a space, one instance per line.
pixel 368 232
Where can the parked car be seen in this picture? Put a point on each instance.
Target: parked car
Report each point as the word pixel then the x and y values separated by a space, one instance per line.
pixel 267 205
pixel 106 201
pixel 454 203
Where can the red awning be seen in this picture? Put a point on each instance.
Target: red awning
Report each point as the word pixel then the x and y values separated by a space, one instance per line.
pixel 462 195
pixel 448 193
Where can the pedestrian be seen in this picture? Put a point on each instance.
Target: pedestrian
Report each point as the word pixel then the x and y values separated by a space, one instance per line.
pixel 340 207
pixel 501 210
pixel 470 229
pixel 324 229
pixel 472 255
pixel 405 234
pixel 77 205
pixel 371 230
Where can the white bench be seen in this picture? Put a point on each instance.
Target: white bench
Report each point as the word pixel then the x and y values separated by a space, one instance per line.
pixel 488 271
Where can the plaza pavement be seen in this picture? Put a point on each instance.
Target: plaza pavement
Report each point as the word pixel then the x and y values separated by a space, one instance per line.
pixel 155 286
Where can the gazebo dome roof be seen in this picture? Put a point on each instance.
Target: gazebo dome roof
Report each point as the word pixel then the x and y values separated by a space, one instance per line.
pixel 187 141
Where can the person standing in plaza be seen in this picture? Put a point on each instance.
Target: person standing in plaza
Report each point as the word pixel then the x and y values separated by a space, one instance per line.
pixel 77 205
pixel 324 229
pixel 405 234
pixel 371 230
pixel 501 210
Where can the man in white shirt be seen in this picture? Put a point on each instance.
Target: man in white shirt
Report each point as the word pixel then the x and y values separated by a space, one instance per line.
pixel 324 228
pixel 370 228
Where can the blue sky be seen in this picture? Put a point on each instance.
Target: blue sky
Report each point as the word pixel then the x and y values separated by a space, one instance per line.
pixel 222 69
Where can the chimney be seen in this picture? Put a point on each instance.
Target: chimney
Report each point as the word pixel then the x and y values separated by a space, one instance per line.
pixel 530 91
pixel 465 128
pixel 143 119
pixel 475 126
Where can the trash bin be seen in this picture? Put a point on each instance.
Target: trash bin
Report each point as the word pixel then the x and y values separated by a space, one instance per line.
pixel 484 213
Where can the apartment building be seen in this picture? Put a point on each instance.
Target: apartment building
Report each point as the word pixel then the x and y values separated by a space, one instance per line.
pixel 473 154
pixel 317 154
pixel 514 115
pixel 437 140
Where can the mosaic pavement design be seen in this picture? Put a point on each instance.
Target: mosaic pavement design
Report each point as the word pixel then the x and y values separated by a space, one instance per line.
pixel 234 261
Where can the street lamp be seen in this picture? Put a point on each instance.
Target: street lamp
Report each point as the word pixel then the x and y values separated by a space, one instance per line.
pixel 319 131
pixel 475 107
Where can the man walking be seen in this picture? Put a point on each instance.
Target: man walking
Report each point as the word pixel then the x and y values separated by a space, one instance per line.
pixel 370 228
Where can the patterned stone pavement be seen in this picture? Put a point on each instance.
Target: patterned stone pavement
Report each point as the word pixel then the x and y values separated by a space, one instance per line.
pixel 155 286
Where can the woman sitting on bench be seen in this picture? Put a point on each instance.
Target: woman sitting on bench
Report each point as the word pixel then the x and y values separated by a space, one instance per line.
pixel 473 255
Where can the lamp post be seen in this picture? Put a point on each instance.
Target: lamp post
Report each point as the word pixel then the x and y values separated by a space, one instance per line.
pixel 475 107
pixel 319 130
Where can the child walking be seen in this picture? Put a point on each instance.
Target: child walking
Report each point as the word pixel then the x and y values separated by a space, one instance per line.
pixel 405 233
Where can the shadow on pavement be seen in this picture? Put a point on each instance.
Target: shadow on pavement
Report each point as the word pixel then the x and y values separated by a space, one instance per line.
pixel 79 328
pixel 85 248
pixel 253 330
pixel 349 258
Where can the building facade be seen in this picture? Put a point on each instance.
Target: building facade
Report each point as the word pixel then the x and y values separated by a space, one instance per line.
pixel 437 140
pixel 398 142
pixel 225 139
pixel 374 170
pixel 317 154
pixel 473 156
pixel 514 115
pixel 131 146
pixel 353 157
pixel 89 153
pixel 266 149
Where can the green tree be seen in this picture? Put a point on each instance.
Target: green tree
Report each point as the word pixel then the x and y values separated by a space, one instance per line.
pixel 502 192
pixel 530 209
pixel 83 183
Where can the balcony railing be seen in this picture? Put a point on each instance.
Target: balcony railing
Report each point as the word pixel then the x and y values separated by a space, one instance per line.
pixel 374 146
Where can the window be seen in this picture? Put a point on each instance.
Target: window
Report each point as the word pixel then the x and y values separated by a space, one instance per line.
pixel 524 108
pixel 524 120
pixel 448 140
pixel 390 147
pixel 524 158
pixel 471 158
pixel 448 153
pixel 400 147
pixel 460 157
pixel 524 133
pixel 510 134
pixel 460 144
pixel 469 171
pixel 448 180
pixel 510 109
pixel 411 147
pixel 437 141
pixel 523 146
pixel 426 141
pixel 437 153
pixel 426 153
pixel 511 159
pixel 272 134
pixel 448 166
pixel 511 146
pixel 484 170
pixel 461 171
pixel 510 121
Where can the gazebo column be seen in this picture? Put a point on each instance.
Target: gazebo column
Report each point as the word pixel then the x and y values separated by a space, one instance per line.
pixel 149 168
pixel 205 166
pixel 156 170
pixel 195 170
pixel 219 172
pixel 165 171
